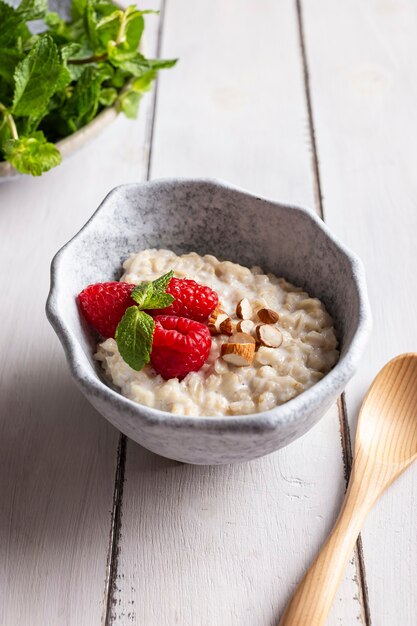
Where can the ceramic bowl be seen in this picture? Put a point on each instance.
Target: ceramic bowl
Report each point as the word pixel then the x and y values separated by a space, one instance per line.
pixel 209 217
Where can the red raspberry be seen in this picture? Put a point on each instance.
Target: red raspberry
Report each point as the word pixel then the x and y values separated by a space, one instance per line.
pixel 192 300
pixel 104 305
pixel 180 345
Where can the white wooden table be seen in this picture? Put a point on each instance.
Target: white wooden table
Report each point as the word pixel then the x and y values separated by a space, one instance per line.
pixel 310 102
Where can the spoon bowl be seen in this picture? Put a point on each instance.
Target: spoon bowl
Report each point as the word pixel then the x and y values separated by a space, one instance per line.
pixel 387 426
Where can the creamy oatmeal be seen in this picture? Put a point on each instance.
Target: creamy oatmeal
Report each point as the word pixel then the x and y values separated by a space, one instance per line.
pixel 307 352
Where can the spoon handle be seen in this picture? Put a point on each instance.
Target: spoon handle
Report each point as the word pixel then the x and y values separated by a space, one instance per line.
pixel 313 598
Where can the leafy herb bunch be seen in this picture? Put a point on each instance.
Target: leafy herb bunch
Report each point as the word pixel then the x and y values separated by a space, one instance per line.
pixel 55 82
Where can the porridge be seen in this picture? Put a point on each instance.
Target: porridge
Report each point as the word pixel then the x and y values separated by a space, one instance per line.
pixel 270 341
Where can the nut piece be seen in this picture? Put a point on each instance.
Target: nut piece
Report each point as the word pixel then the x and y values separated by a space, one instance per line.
pixel 268 316
pixel 215 314
pixel 269 336
pixel 215 323
pixel 227 327
pixel 241 338
pixel 240 354
pixel 244 309
pixel 246 326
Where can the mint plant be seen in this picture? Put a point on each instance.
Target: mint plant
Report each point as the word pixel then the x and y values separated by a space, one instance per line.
pixel 54 83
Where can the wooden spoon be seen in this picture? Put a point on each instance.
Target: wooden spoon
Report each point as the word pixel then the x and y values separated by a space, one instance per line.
pixel 385 445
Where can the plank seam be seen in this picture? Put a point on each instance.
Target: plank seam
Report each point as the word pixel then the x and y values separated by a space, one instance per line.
pixel 348 462
pixel 341 403
pixel 311 130
pixel 115 530
pixel 117 507
pixel 155 93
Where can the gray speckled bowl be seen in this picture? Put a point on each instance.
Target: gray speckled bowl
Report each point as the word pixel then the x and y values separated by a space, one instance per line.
pixel 209 217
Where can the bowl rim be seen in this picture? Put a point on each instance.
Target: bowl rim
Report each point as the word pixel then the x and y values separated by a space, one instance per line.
pixel 291 411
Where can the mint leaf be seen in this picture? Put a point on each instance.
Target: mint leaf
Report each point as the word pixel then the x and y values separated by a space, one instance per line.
pixel 32 9
pixel 32 155
pixel 108 96
pixel 144 83
pixel 134 337
pixel 162 64
pixel 84 102
pixel 12 26
pixel 37 77
pixel 9 58
pixel 90 24
pixel 160 301
pixel 142 293
pixel 133 63
pixel 152 295
pixel 128 103
pixel 134 27
pixel 108 27
pixel 70 50
pixel 161 283
pixel 77 8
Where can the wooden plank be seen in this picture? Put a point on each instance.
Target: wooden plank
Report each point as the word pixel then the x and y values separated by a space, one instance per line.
pixel 362 58
pixel 57 455
pixel 227 545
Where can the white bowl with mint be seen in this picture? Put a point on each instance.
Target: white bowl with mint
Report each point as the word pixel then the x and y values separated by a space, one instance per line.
pixel 63 77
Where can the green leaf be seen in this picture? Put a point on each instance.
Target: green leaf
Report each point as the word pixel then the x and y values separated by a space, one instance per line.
pixel 37 77
pixel 128 103
pixel 119 79
pixel 134 27
pixel 161 283
pixel 90 24
pixel 107 97
pixel 162 64
pixel 160 301
pixel 70 51
pixel 84 102
pixel 77 8
pixel 108 27
pixel 66 32
pixel 144 83
pixel 32 9
pixel 134 337
pixel 32 155
pixel 5 131
pixel 133 63
pixel 151 295
pixel 12 26
pixel 53 20
pixel 9 58
pixel 142 293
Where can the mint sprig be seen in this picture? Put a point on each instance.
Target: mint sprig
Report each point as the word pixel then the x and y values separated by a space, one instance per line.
pixel 135 331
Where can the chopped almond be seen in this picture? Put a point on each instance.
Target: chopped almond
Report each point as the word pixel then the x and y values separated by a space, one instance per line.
pixel 268 316
pixel 215 314
pixel 240 354
pixel 227 327
pixel 214 325
pixel 269 336
pixel 244 309
pixel 245 326
pixel 241 338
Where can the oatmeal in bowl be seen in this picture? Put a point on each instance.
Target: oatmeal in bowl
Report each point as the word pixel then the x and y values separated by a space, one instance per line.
pixel 231 353
pixel 265 340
